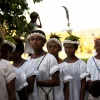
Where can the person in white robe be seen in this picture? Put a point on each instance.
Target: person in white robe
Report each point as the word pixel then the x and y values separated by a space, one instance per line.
pixel 54 46
pixel 20 83
pixel 93 67
pixel 7 78
pixel 26 76
pixel 48 76
pixel 77 68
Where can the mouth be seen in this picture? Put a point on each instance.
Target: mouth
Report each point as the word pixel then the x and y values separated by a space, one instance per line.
pixel 34 45
pixel 51 51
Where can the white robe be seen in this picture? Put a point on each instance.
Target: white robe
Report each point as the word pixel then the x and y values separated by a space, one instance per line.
pixel 20 81
pixel 45 69
pixel 78 71
pixel 64 77
pixel 94 73
pixel 6 75
pixel 29 70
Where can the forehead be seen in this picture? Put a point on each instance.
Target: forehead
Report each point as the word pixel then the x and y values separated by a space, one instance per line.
pixel 52 43
pixel 97 43
pixel 68 45
pixel 34 36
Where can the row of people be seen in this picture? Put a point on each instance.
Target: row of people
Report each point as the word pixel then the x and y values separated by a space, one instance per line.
pixel 46 76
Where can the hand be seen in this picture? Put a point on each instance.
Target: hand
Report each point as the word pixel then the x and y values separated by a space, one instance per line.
pixel 88 83
pixel 95 88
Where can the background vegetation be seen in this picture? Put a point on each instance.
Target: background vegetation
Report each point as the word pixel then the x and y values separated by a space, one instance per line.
pixel 13 13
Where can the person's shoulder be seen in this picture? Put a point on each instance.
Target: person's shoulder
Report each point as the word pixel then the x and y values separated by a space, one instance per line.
pixel 80 61
pixel 90 59
pixel 28 58
pixel 50 55
pixel 62 64
pixel 5 62
pixel 7 67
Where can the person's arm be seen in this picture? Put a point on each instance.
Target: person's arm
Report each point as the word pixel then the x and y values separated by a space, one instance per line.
pixel 94 88
pixel 11 90
pixel 82 91
pixel 66 91
pixel 23 94
pixel 55 81
pixel 31 81
pixel 88 83
pixel 40 26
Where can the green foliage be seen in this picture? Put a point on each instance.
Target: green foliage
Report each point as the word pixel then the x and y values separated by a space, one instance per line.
pixel 73 38
pixel 9 38
pixel 55 36
pixel 37 1
pixel 13 11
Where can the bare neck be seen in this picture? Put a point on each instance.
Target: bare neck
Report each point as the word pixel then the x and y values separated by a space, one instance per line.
pixel 59 60
pixel 38 53
pixel 71 59
pixel 18 62
pixel 97 56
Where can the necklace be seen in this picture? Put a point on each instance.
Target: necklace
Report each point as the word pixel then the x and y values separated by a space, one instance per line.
pixel 39 57
pixel 73 60
pixel 32 56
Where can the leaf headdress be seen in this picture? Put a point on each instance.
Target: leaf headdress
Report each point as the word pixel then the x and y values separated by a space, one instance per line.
pixel 55 38
pixel 72 39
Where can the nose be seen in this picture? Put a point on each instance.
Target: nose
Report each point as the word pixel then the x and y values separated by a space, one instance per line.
pixel 34 41
pixel 52 48
pixel 68 49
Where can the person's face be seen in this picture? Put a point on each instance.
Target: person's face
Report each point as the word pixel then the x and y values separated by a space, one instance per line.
pixel 69 49
pixel 5 54
pixel 14 56
pixel 36 42
pixel 53 48
pixel 97 47
pixel 33 19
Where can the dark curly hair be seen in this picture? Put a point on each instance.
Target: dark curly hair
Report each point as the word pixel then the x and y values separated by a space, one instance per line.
pixel 19 45
pixel 55 36
pixel 33 14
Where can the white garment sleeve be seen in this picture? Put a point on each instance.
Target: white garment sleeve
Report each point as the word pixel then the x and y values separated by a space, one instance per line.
pixel 89 62
pixel 29 68
pixel 54 69
pixel 83 70
pixel 8 72
pixel 20 80
pixel 52 64
pixel 65 75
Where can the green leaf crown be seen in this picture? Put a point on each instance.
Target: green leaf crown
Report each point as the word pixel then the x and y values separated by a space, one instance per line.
pixel 55 36
pixel 72 38
pixel 10 39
